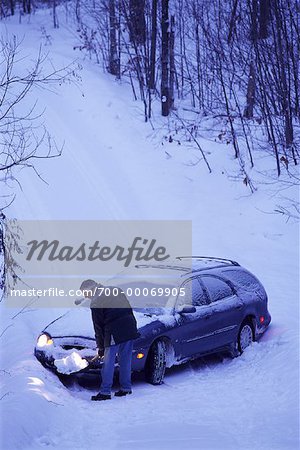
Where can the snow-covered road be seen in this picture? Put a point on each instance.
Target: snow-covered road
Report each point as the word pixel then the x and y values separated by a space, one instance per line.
pixel 110 169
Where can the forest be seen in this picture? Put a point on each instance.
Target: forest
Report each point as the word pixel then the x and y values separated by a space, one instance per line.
pixel 236 61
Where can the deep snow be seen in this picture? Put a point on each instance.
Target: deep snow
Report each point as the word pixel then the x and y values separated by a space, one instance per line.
pixel 114 167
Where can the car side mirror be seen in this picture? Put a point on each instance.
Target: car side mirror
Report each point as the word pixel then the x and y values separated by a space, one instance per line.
pixel 186 309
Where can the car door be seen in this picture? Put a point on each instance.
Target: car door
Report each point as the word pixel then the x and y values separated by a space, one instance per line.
pixel 227 310
pixel 194 329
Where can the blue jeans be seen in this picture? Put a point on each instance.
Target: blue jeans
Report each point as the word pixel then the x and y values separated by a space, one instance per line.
pixel 124 352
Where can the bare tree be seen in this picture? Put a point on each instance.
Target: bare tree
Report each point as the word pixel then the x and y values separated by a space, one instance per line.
pixel 10 270
pixel 165 87
pixel 114 66
pixel 232 21
pixel 285 95
pixel 137 24
pixel 251 87
pixel 2 257
pixel 172 62
pixel 12 7
pixel 153 45
pixel 55 19
pixel 264 17
pixel 27 6
pixel 23 138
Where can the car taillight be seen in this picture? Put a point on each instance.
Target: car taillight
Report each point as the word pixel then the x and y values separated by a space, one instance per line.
pixel 261 319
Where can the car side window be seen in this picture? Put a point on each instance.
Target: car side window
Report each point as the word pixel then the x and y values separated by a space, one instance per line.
pixel 217 288
pixel 194 294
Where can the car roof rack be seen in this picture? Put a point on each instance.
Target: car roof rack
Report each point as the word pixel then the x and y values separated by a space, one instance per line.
pixel 160 266
pixel 209 258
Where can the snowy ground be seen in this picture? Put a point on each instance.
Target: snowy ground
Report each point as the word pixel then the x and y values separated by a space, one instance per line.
pixel 111 169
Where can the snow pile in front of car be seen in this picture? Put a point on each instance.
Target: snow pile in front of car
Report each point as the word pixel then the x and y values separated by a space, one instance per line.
pixel 70 364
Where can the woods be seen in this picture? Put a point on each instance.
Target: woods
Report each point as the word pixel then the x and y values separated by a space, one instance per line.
pixel 237 61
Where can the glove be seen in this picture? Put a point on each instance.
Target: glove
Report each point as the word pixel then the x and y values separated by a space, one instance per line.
pixel 78 301
pixel 99 355
pixel 100 352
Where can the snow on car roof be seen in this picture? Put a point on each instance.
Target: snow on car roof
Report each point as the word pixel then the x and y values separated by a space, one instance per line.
pixel 190 264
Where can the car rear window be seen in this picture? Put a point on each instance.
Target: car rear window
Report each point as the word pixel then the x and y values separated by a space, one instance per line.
pixel 245 280
pixel 217 288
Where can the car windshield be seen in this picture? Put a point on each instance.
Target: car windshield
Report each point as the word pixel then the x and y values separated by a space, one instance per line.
pixel 148 291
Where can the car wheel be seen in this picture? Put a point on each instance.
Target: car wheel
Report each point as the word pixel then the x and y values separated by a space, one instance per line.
pixel 156 363
pixel 245 337
pixel 66 380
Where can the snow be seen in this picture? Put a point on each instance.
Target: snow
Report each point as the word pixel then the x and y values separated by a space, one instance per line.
pixel 114 167
pixel 70 364
pixel 143 320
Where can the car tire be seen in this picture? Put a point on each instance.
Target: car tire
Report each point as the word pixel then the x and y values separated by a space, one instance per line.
pixel 156 363
pixel 245 337
pixel 66 380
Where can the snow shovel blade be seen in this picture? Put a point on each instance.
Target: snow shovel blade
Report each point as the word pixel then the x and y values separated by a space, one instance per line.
pixel 91 363
pixel 74 363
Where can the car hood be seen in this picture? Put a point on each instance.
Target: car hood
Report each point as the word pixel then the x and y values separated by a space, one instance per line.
pixel 78 322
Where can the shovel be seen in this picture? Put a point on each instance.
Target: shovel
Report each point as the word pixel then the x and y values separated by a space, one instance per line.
pixel 74 364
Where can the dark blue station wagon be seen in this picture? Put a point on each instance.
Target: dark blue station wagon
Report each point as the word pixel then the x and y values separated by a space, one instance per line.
pixel 223 309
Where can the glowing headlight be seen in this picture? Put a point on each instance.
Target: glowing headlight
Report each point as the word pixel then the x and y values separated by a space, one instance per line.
pixel 43 340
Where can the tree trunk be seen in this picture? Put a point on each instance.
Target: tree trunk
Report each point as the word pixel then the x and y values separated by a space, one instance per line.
pixel 153 45
pixel 264 16
pixel 285 98
pixel 137 25
pixel 172 62
pixel 77 10
pixel 251 87
pixel 27 6
pixel 165 103
pixel 55 21
pixel 12 7
pixel 232 21
pixel 114 66
pixel 248 113
pixel 254 17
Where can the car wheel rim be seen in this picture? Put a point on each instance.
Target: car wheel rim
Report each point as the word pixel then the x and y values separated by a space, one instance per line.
pixel 245 337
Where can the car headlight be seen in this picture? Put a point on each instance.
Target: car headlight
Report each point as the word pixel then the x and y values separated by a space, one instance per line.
pixel 43 340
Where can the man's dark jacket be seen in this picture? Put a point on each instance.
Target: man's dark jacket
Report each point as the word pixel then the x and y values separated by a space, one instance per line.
pixel 113 319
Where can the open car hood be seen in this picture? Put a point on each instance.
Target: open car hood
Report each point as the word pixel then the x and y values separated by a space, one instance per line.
pixel 78 322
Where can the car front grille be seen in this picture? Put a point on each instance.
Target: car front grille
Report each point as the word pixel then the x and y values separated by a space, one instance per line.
pixel 73 347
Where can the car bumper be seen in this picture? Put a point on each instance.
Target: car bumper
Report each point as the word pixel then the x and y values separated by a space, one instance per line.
pixel 261 327
pixel 47 360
